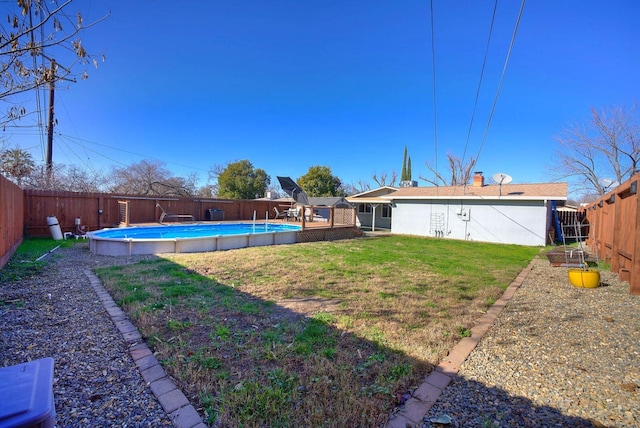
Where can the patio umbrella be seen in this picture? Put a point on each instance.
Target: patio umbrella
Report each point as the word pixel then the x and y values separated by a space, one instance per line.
pixel 293 190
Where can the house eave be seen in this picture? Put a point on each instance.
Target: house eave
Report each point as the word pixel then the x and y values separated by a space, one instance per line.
pixel 368 201
pixel 479 198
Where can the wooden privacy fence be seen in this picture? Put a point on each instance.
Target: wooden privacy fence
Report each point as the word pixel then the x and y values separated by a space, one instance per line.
pixel 100 210
pixel 614 231
pixel 11 219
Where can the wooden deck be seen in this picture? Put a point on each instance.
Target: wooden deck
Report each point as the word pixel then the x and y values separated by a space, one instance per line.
pixel 307 224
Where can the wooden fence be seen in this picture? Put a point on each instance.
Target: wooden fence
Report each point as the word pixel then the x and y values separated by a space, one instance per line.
pixel 11 219
pixel 614 231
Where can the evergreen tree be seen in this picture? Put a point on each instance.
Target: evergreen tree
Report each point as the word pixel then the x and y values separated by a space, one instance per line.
pixel 406 167
pixel 403 174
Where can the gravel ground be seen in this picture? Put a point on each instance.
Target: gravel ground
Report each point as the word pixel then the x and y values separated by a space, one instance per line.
pixel 557 356
pixel 57 314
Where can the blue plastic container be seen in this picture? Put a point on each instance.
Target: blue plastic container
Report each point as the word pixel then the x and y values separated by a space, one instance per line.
pixel 26 395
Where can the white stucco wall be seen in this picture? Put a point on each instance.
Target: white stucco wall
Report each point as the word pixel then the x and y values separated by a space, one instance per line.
pixel 504 221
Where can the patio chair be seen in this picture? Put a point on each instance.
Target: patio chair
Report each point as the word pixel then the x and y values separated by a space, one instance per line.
pixel 279 214
pixel 297 213
pixel 165 215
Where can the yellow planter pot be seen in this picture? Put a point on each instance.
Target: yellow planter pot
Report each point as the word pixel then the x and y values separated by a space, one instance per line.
pixel 584 278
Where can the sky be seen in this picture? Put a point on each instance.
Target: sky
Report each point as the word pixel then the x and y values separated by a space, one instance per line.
pixel 291 84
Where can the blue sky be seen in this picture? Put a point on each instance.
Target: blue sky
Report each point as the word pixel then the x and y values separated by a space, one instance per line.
pixel 344 84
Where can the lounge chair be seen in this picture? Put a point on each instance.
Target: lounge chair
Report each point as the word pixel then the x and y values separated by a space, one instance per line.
pixel 165 215
pixel 280 214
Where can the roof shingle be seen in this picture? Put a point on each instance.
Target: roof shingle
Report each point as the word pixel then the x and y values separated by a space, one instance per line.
pixel 556 191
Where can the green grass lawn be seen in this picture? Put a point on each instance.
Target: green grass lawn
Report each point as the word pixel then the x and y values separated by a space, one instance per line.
pixel 315 334
pixel 30 258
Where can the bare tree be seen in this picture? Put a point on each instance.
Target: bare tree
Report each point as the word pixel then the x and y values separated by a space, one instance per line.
pixel 61 177
pixel 458 172
pixel 27 58
pixel 208 191
pixel 384 179
pixel 42 180
pixel 151 178
pixel 79 180
pixel 604 150
pixel 361 187
pixel 348 189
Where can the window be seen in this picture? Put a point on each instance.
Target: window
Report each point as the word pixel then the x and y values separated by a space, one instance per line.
pixel 386 211
pixel 364 208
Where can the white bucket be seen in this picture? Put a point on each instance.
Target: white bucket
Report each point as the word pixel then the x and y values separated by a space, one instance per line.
pixel 54 227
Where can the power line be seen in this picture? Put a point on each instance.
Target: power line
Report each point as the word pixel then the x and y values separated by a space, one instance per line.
pixel 37 90
pixel 77 141
pixel 504 70
pixel 435 103
pixel 484 62
pixel 86 164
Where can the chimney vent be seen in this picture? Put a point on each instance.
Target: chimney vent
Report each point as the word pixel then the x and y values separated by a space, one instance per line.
pixel 478 179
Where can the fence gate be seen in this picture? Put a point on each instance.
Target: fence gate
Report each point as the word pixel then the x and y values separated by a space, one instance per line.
pixel 123 210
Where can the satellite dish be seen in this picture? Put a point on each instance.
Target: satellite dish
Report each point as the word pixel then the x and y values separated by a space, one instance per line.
pixel 607 183
pixel 502 178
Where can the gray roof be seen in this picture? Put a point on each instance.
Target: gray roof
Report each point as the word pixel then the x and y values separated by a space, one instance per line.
pixel 329 201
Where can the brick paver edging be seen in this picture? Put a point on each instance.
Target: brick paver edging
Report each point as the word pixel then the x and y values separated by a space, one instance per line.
pixel 434 384
pixel 181 413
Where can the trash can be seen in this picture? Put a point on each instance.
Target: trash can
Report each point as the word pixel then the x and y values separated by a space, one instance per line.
pixel 26 395
pixel 214 215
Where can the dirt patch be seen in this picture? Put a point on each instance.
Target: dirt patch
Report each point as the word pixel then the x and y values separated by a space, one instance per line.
pixel 310 305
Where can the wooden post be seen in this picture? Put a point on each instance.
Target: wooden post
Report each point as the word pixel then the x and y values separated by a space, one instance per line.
pixel 100 211
pixel 331 211
pixel 634 280
pixel 615 214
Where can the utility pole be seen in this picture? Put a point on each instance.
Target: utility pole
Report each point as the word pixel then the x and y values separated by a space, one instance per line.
pixel 52 86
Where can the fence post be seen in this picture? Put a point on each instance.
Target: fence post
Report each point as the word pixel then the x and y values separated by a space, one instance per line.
pixel 331 215
pixel 634 280
pixel 615 239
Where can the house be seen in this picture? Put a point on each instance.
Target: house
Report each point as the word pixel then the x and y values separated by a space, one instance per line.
pixel 508 213
pixel 373 208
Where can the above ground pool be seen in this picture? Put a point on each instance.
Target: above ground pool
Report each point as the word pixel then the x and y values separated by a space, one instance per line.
pixel 189 238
